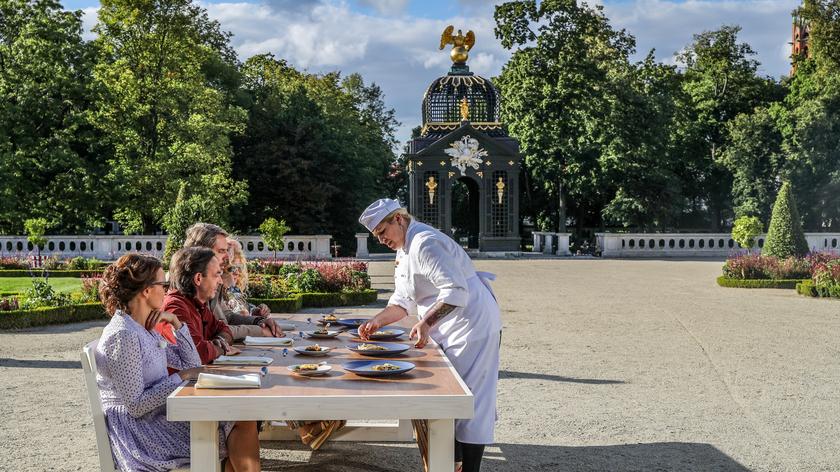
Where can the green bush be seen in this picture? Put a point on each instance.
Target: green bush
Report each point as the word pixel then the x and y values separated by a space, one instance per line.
pixel 310 280
pixel 745 229
pixel 785 237
pixel 83 263
pixel 51 315
pixel 321 300
pixel 810 289
pixel 43 295
pixel 724 281
pixel 280 305
pixel 266 286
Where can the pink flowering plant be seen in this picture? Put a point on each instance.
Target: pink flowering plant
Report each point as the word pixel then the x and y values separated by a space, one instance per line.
pixel 311 276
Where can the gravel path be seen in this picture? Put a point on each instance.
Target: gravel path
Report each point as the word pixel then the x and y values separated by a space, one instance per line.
pixel 607 365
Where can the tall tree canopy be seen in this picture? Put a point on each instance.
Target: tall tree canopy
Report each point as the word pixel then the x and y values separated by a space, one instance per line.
pixel 48 164
pixel 165 118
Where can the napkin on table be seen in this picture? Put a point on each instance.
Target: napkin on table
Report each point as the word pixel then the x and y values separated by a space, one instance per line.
pixel 228 381
pixel 267 341
pixel 243 360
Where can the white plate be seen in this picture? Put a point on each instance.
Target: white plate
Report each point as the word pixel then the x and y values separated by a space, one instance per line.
pixel 323 352
pixel 322 370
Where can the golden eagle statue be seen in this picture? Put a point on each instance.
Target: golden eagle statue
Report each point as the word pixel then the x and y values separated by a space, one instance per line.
pixel 461 44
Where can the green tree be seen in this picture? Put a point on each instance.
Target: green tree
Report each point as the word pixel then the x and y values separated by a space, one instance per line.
pixel 48 157
pixel 754 157
pixel 785 237
pixel 720 81
pixel 745 229
pixel 272 231
pixel 164 107
pixel 36 228
pixel 556 89
pixel 316 148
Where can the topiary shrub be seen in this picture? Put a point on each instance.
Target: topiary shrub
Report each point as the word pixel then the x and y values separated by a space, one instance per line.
pixel 785 237
pixel 745 229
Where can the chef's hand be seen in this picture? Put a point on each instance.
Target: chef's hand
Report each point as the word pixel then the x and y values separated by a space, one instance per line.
pixel 368 328
pixel 421 331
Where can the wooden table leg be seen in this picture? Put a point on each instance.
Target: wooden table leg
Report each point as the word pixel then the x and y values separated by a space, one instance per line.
pixel 441 445
pixel 204 446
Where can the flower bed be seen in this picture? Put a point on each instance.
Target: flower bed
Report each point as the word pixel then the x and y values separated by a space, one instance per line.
pixel 76 267
pixel 825 281
pixel 751 270
pixel 278 279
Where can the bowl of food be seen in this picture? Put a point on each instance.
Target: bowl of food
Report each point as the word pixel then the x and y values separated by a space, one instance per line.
pixel 313 350
pixel 322 332
pixel 310 370
pixel 378 368
pixel 381 333
pixel 378 349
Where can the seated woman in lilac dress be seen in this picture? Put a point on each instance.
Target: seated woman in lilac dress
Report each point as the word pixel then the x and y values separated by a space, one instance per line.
pixel 132 362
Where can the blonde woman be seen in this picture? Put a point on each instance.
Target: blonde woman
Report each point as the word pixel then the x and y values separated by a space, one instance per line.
pixel 238 289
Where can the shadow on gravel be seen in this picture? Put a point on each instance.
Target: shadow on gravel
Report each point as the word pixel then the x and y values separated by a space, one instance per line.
pixel 403 457
pixel 39 364
pixel 507 374
pixel 660 457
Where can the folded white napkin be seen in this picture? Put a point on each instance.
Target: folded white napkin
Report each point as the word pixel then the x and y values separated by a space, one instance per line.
pixel 243 360
pixel 285 326
pixel 228 381
pixel 267 341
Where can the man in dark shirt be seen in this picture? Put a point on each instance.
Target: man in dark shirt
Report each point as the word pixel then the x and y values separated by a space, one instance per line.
pixel 195 276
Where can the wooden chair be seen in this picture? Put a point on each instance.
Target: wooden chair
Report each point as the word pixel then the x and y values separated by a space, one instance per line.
pixel 106 457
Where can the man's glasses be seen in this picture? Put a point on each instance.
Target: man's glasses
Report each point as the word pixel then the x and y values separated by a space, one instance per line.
pixel 164 284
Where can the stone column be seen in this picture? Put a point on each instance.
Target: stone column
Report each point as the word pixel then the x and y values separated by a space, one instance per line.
pixel 537 242
pixel 361 245
pixel 549 243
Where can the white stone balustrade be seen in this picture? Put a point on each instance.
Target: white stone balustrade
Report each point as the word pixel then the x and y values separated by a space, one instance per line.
pixel 110 247
pixel 551 243
pixel 693 244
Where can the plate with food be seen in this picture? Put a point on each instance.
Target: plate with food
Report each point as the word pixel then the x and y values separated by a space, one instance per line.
pixel 381 333
pixel 378 349
pixel 352 322
pixel 378 368
pixel 310 370
pixel 313 350
pixel 323 332
pixel 331 319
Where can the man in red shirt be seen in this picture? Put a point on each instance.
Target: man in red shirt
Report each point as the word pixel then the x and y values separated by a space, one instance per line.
pixel 195 275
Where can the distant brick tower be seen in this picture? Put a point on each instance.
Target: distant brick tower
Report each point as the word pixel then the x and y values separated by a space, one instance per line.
pixel 799 40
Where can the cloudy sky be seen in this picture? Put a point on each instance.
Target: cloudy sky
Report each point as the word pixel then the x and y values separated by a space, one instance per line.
pixel 394 43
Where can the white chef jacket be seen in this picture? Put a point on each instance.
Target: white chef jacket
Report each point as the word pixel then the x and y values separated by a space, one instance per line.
pixel 431 268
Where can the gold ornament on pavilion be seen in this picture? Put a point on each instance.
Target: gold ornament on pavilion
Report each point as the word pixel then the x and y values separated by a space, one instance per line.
pixel 461 44
pixel 431 185
pixel 500 189
pixel 465 109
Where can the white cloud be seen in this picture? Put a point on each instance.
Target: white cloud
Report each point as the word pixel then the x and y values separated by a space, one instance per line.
pixel 89 17
pixel 386 7
pixel 669 26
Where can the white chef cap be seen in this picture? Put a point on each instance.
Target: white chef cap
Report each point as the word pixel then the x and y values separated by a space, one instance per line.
pixel 377 211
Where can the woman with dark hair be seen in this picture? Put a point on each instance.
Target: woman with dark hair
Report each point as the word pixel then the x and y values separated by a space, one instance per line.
pixel 132 362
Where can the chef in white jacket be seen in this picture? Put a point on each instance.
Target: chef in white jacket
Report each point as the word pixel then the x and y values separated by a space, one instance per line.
pixel 436 281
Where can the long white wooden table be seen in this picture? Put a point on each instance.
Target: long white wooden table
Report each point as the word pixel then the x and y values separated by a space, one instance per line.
pixel 433 391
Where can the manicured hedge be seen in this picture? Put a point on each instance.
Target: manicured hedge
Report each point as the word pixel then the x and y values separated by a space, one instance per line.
pixel 90 311
pixel 724 281
pixel 53 273
pixel 280 305
pixel 807 288
pixel 317 300
pixel 51 315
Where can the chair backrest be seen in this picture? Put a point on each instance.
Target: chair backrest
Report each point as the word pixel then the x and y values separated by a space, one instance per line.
pixel 106 458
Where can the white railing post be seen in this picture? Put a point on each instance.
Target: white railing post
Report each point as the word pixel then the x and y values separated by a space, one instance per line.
pixel 537 242
pixel 562 244
pixel 549 243
pixel 361 245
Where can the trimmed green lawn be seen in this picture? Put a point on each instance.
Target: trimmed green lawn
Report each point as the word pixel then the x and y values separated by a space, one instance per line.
pixel 60 284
